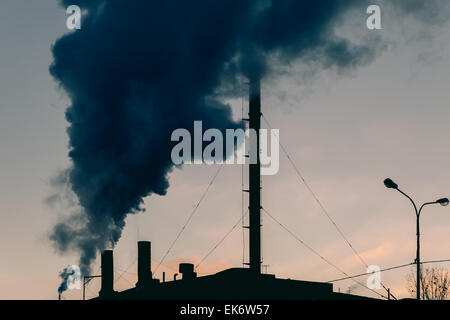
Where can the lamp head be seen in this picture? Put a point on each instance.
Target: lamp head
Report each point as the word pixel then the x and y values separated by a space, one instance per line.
pixel 443 202
pixel 390 184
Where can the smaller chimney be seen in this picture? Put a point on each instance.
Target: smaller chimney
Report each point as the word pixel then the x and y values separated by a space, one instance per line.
pixel 107 274
pixel 144 263
pixel 187 271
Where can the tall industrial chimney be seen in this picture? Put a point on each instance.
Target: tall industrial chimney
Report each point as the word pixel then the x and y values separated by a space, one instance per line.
pixel 144 263
pixel 107 274
pixel 255 179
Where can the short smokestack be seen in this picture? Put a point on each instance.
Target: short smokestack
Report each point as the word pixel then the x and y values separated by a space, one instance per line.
pixel 187 271
pixel 107 274
pixel 144 263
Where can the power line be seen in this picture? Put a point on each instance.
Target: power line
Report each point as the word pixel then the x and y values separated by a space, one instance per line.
pixel 302 242
pixel 125 271
pixel 325 211
pixel 435 261
pixel 190 216
pixel 221 240
pixel 322 207
pixel 86 282
pixel 318 254
pixel 388 269
pixel 127 280
pixel 368 273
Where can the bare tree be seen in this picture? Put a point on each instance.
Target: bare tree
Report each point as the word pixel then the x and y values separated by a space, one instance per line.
pixel 434 283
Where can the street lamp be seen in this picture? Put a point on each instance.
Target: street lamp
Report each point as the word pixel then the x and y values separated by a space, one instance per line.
pixel 443 202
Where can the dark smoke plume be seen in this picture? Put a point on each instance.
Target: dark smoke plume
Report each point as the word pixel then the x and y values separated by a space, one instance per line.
pixel 138 69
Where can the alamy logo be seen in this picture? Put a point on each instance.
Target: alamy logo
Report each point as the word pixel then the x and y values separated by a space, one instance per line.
pixel 74 19
pixel 74 278
pixel 235 147
pixel 374 280
pixel 374 20
pixel 71 278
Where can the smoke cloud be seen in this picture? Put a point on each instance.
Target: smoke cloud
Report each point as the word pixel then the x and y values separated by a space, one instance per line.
pixel 70 277
pixel 139 69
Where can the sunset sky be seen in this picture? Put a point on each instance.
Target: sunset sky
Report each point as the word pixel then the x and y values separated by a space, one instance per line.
pixel 346 132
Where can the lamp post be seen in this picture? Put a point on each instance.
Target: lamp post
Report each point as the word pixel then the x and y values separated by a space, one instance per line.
pixel 443 202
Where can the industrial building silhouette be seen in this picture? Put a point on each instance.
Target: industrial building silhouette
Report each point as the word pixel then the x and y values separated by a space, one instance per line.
pixel 231 284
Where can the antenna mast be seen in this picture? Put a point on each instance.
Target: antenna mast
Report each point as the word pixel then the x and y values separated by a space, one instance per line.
pixel 255 179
